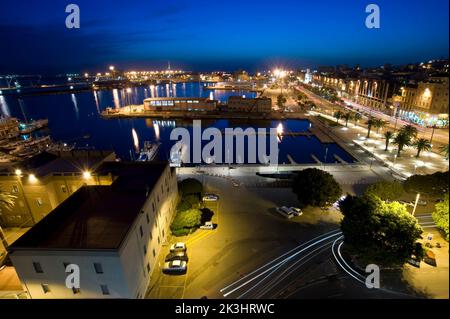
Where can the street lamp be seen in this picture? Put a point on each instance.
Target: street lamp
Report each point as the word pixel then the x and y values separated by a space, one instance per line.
pixel 415 204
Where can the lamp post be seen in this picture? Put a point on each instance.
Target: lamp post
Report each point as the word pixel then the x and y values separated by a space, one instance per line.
pixel 432 133
pixel 415 204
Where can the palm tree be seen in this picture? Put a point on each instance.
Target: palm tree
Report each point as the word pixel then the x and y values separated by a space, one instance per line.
pixel 422 144
pixel 357 117
pixel 338 115
pixel 7 202
pixel 379 123
pixel 410 131
pixel 401 140
pixel 444 151
pixel 347 117
pixel 388 135
pixel 370 123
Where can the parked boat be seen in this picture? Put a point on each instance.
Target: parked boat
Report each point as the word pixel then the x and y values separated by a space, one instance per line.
pixel 27 128
pixel 149 151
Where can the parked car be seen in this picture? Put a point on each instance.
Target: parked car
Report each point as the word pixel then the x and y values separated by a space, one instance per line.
pixel 207 226
pixel 296 211
pixel 175 266
pixel 179 255
pixel 210 198
pixel 422 203
pixel 284 211
pixel 178 247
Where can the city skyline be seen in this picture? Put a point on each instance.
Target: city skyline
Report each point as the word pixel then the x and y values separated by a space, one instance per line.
pixel 210 36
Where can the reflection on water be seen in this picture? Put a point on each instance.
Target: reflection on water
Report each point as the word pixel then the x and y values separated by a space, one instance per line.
pixel 280 131
pixel 96 101
pixel 135 140
pixel 4 107
pixel 116 99
pixel 75 105
pixel 156 128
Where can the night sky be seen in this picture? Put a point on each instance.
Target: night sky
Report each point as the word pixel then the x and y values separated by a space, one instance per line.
pixel 217 35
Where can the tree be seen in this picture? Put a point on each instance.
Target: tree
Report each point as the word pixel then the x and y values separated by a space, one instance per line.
pixel 190 186
pixel 421 144
pixel 370 123
pixel 388 135
pixel 433 184
pixel 410 131
pixel 338 115
pixel 356 117
pixel 385 190
pixel 440 216
pixel 379 123
pixel 281 100
pixel 347 117
pixel 379 232
pixel 444 151
pixel 315 187
pixel 402 139
pixel 186 222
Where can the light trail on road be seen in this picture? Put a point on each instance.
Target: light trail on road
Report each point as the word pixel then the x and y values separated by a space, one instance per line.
pixel 277 262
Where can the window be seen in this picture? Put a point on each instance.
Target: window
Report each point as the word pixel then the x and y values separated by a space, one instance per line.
pixel 64 188
pixel 45 288
pixel 148 218
pixel 141 231
pixel 15 189
pixel 145 250
pixel 105 290
pixel 148 267
pixel 159 241
pixel 151 235
pixel 76 290
pixel 163 233
pixel 154 253
pixel 38 268
pixel 98 268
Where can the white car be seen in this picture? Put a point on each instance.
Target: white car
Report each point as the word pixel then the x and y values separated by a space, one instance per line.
pixel 207 226
pixel 210 198
pixel 296 211
pixel 178 247
pixel 284 211
pixel 175 266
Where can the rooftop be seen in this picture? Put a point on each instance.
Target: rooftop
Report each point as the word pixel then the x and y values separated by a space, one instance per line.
pixel 75 161
pixel 95 217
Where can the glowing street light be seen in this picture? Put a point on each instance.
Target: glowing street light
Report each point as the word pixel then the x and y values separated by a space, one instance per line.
pixel 87 175
pixel 32 178
pixel 18 172
pixel 111 67
pixel 415 203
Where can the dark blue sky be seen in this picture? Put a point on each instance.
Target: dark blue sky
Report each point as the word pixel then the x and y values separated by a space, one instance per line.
pixel 205 35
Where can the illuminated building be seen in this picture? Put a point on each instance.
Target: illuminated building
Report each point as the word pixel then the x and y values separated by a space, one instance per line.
pixel 112 233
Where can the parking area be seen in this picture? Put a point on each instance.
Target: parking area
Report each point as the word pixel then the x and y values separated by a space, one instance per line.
pixel 249 233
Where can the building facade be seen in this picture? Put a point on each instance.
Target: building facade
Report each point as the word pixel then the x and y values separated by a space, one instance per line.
pixel 241 104
pixel 179 104
pixel 9 127
pixel 41 183
pixel 113 234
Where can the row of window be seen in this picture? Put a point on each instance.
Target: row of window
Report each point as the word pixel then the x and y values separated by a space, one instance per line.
pixel 104 289
pixel 39 270
pixel 172 103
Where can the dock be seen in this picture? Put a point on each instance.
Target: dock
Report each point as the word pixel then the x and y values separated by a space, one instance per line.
pixel 321 135
pixel 340 160
pixel 316 159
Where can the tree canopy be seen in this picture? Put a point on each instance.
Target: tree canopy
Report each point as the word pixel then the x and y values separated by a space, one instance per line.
pixel 440 216
pixel 315 187
pixel 186 221
pixel 380 232
pixel 190 186
pixel 386 190
pixel 433 184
